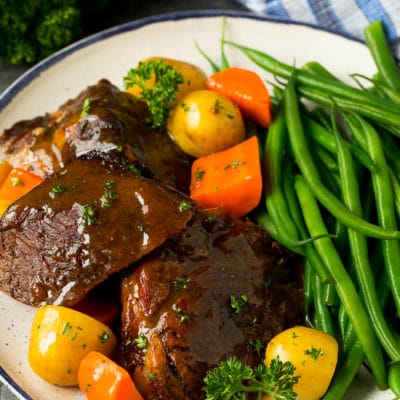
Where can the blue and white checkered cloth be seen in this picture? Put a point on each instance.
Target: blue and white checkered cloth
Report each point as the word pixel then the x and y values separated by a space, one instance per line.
pixel 348 17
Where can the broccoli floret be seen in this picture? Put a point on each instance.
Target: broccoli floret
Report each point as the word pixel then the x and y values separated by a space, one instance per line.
pixel 33 29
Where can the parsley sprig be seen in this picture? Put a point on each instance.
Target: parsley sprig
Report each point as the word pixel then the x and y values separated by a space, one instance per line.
pixel 232 379
pixel 161 96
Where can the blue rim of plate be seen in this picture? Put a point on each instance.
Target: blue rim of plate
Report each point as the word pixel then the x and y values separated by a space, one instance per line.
pixel 33 72
pixel 7 96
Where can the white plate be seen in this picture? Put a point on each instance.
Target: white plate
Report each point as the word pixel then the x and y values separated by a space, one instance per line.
pixel 110 54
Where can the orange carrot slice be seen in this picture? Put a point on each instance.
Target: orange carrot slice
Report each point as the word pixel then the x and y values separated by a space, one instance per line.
pixel 230 179
pixel 247 90
pixel 100 378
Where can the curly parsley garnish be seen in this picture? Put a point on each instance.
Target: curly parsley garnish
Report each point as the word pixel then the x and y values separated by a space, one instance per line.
pixel 232 379
pixel 161 96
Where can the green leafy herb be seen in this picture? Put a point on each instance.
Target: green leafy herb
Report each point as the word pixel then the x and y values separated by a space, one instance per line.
pixel 109 196
pixel 181 282
pixel 160 97
pixel 314 353
pixel 256 345
pixel 237 303
pixel 134 169
pixel 85 108
pixel 185 205
pixel 89 215
pixel 141 342
pixel 199 174
pixel 232 379
pixel 58 189
pixel 67 328
pixel 104 337
pixel 16 182
pixel 234 164
pixel 182 316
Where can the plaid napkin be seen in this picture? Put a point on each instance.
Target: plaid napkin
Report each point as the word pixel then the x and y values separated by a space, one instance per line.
pixel 348 17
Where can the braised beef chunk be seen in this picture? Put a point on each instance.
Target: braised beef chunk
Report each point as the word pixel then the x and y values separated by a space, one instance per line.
pixel 217 290
pixel 28 145
pixel 101 120
pixel 80 226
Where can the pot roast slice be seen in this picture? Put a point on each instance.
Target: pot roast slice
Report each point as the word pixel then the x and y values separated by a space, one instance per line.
pixel 112 123
pixel 82 225
pixel 218 289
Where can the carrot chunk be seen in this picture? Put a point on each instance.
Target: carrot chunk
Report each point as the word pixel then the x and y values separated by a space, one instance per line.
pixel 17 183
pixel 100 378
pixel 247 90
pixel 230 179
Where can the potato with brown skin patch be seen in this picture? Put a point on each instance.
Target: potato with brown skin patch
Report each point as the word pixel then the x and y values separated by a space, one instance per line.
pixel 205 122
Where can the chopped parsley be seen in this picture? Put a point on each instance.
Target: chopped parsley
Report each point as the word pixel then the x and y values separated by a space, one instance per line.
pixel 58 189
pixel 182 316
pixel 134 169
pixel 67 328
pixel 256 346
pixel 109 196
pixel 314 353
pixel 85 109
pixel 234 164
pixel 16 182
pixel 89 215
pixel 141 342
pixel 198 175
pixel 181 282
pixel 238 303
pixel 185 205
pixel 104 337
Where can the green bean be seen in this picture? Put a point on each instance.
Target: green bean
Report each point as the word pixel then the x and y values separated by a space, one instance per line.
pixel 367 104
pixel 308 285
pixel 308 169
pixel 379 88
pixel 264 220
pixel 396 191
pixel 275 201
pixel 346 373
pixel 383 193
pixel 394 378
pixel 318 69
pixel 323 319
pixel 325 158
pixel 330 296
pixel 311 255
pixel 379 48
pixel 275 148
pixel 324 138
pixel 385 116
pixel 343 284
pixel 359 251
pixel 392 152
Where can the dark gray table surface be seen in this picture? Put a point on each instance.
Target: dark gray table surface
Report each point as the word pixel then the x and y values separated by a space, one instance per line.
pixel 121 11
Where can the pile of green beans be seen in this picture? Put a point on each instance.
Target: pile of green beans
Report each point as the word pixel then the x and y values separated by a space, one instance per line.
pixel 332 194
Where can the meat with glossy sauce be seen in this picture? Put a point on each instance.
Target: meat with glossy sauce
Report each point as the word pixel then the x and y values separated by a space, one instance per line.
pixel 212 292
pixel 81 225
pixel 114 123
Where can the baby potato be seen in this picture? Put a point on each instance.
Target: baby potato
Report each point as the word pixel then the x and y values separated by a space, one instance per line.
pixel 205 122
pixel 312 352
pixel 60 338
pixel 194 77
